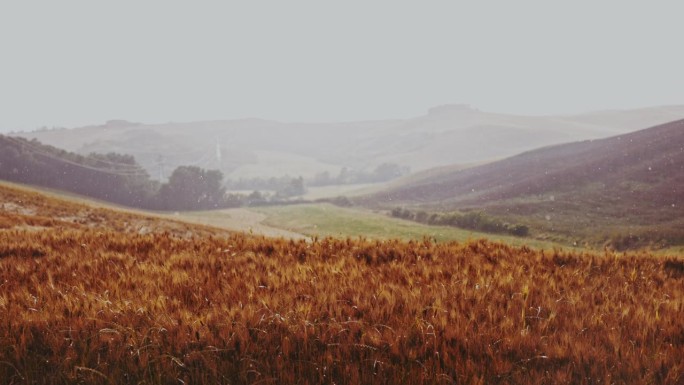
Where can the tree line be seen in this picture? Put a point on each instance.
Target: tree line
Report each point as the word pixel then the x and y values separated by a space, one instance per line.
pixel 472 220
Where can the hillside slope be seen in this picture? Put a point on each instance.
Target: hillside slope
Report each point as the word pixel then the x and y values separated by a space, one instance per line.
pixel 112 177
pixel 261 148
pixel 27 210
pixel 634 180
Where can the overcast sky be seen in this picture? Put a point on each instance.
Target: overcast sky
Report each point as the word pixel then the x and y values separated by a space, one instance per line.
pixel 71 63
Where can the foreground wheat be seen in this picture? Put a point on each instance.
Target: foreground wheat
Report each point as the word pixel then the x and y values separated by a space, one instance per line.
pixel 91 306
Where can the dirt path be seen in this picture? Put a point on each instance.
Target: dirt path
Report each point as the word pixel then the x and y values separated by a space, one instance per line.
pixel 238 220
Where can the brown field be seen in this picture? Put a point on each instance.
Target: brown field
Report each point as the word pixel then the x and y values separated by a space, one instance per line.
pixel 92 295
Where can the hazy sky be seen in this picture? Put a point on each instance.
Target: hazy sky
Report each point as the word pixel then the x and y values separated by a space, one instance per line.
pixel 71 63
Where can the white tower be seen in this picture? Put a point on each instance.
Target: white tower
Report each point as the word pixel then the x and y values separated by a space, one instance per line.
pixel 218 152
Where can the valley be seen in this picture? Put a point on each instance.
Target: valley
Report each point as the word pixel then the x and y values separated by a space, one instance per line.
pixel 341 193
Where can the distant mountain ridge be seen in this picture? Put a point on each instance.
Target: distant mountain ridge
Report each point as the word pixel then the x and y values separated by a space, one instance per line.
pixel 634 180
pixel 261 148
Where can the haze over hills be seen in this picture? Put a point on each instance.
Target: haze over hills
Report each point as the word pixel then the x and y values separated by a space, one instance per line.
pixel 261 148
pixel 630 185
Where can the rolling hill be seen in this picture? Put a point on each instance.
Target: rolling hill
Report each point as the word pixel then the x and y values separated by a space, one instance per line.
pixel 628 189
pixel 260 148
pixel 91 296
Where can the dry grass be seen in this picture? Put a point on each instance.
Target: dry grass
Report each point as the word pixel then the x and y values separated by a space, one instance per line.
pixel 101 302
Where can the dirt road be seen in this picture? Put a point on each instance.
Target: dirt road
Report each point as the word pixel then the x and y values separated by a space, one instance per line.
pixel 238 220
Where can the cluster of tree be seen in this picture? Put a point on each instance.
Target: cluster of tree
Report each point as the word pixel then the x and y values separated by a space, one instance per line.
pixel 283 187
pixel 112 177
pixel 382 173
pixel 470 220
pixel 287 186
pixel 192 188
pixel 258 198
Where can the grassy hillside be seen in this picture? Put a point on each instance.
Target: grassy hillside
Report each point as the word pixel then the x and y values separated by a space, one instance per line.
pixel 113 177
pixel 86 297
pixel 626 189
pixel 325 220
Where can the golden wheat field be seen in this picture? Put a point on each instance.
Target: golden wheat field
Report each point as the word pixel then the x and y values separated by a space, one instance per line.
pixel 98 296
